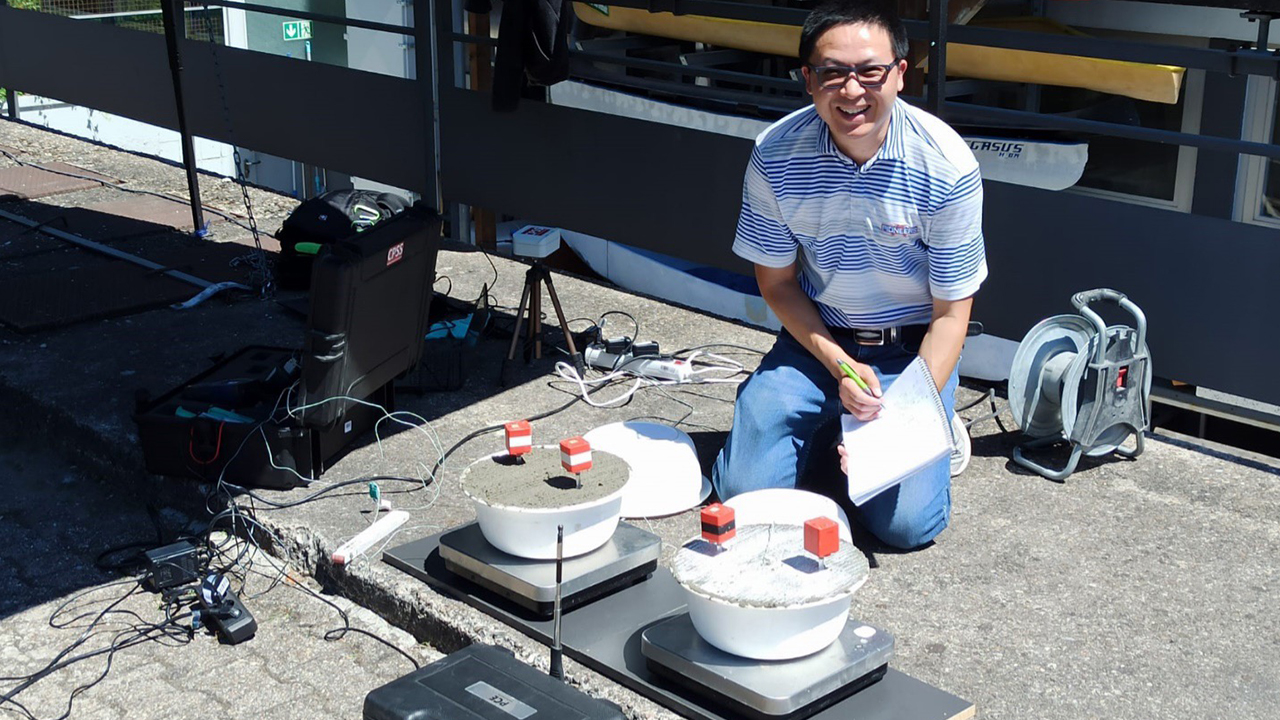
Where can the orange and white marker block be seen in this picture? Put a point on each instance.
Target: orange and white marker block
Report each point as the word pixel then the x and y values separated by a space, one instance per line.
pixel 821 538
pixel 575 456
pixel 718 526
pixel 519 437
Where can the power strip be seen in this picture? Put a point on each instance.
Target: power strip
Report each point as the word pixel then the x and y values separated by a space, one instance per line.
pixel 356 546
pixel 659 368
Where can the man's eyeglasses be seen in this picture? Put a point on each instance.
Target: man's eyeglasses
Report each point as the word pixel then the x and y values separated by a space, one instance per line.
pixel 832 77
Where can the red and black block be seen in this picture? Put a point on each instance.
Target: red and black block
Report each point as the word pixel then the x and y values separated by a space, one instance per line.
pixel 718 524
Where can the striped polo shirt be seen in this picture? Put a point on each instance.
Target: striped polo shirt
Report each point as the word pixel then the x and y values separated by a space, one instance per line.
pixel 876 243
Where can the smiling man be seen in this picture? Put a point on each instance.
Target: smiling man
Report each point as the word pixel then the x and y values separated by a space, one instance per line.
pixel 863 217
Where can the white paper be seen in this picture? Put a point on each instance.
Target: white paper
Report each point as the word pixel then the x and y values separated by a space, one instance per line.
pixel 910 433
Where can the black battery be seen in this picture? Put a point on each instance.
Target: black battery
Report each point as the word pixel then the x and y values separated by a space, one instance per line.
pixel 482 682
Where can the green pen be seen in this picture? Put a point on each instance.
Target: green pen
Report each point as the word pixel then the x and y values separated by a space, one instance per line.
pixel 848 371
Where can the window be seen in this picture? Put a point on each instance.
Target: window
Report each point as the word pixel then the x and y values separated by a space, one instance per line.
pixel 1139 171
pixel 1269 208
pixel 1136 171
pixel 1258 183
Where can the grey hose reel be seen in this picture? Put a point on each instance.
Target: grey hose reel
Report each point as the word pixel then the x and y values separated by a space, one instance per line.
pixel 1076 380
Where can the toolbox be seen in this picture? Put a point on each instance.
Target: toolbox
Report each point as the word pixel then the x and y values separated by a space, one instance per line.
pixel 275 417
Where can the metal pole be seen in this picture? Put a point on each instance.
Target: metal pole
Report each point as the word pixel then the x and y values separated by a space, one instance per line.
pixel 449 68
pixel 107 250
pixel 937 54
pixel 557 653
pixel 424 71
pixel 11 96
pixel 171 11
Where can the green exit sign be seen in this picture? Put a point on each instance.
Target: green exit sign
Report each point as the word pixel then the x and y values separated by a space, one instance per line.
pixel 297 30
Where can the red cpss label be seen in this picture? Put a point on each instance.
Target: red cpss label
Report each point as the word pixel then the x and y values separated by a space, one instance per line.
pixel 395 254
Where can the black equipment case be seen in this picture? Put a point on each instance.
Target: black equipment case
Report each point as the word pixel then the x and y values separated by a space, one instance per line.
pixel 265 416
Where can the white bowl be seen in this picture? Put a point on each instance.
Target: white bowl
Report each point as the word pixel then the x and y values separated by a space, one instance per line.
pixel 768 633
pixel 531 532
pixel 762 596
pixel 665 476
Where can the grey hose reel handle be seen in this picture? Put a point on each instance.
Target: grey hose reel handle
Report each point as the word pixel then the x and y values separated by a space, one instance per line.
pixel 1084 298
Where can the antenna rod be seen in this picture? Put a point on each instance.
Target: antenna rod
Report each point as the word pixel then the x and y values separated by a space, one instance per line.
pixel 557 654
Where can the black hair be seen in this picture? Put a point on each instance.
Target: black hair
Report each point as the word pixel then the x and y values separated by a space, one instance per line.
pixel 832 13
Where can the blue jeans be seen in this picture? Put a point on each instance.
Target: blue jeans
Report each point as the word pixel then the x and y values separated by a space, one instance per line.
pixel 790 399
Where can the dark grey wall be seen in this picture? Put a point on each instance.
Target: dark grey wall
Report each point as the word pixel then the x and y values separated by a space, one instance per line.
pixel 1210 288
pixel 300 110
pixel 655 186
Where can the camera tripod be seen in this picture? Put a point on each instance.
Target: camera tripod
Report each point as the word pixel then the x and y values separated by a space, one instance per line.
pixel 531 298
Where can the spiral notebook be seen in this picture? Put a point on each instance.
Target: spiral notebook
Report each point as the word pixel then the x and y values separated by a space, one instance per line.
pixel 911 432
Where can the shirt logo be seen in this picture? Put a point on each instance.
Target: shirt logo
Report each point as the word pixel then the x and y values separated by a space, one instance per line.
pixel 899 229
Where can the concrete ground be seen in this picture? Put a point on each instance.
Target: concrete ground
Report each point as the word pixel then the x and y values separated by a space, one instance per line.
pixel 1136 589
pixel 57 521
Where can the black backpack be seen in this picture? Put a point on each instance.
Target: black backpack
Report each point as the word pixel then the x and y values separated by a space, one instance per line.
pixel 327 218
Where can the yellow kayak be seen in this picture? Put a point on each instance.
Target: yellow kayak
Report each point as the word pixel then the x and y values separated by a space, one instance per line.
pixel 737 34
pixel 1143 81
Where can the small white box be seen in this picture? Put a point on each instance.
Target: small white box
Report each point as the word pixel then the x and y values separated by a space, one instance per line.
pixel 535 241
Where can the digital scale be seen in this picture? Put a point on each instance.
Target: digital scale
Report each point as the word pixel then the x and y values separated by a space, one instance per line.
pixel 764 690
pixel 628 557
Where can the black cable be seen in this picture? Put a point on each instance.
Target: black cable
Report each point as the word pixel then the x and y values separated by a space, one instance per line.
pixel 752 350
pixel 142 632
pixel 319 493
pixel 990 395
pixel 486 289
pixel 635 333
pixel 339 633
pixel 336 633
pixel 36 228
pixel 142 635
pixel 445 455
pixel 443 277
pixel 133 561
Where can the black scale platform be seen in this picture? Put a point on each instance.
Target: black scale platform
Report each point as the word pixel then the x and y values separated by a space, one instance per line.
pixel 605 634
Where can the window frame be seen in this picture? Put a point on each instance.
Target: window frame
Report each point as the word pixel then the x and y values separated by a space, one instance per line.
pixel 1262 103
pixel 1185 170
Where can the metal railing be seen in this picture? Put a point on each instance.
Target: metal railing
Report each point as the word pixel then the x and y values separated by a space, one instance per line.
pixel 1242 59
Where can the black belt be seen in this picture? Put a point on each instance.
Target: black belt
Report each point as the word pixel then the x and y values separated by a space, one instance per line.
pixel 910 335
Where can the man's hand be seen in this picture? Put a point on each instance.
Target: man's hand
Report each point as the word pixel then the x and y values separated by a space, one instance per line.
pixel 781 290
pixel 844 458
pixel 862 405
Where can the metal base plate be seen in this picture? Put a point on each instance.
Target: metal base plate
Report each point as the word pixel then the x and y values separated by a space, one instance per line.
pixel 629 555
pixel 605 635
pixel 769 689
